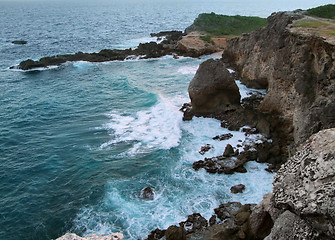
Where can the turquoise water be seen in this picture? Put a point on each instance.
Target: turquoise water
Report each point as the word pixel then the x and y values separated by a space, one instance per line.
pixel 79 142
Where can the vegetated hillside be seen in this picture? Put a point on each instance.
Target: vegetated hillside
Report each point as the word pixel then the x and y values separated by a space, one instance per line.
pixel 326 11
pixel 218 25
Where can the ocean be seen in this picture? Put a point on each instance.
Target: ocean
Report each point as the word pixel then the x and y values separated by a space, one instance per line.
pixel 79 142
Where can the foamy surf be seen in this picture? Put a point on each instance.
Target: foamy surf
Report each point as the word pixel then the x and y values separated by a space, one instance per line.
pixel 156 128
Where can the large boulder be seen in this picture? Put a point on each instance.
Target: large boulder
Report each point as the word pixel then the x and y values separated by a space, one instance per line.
pixel 213 89
pixel 305 184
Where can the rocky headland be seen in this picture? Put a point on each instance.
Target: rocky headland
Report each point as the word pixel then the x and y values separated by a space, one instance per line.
pixel 296 64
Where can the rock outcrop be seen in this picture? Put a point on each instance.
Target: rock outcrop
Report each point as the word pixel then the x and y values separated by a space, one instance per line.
pixel 305 184
pixel 297 69
pixel 213 89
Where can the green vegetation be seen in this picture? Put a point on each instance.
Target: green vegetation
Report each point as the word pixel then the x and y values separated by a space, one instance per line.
pixel 218 25
pixel 326 11
pixel 207 39
pixel 309 23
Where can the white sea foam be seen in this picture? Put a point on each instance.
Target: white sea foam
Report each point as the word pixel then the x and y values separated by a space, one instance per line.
pixel 188 70
pixel 156 128
pixel 179 189
pixel 247 92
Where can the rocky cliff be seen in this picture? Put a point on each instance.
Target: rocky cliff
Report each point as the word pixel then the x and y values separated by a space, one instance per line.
pixel 296 67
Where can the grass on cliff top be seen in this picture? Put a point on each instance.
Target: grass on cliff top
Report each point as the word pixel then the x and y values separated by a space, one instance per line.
pixel 326 11
pixel 321 27
pixel 223 25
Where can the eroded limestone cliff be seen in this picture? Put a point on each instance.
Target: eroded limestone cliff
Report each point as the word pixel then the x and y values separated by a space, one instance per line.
pixel 296 67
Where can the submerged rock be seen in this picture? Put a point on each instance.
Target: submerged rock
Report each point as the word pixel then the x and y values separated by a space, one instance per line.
pixel 213 89
pixel 237 188
pixel 223 137
pixel 19 42
pixel 147 193
pixel 205 149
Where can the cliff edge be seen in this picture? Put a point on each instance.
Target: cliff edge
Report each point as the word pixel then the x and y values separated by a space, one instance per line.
pixel 296 65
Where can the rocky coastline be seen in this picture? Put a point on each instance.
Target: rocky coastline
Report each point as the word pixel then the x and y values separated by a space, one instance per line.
pixel 297 113
pixel 174 43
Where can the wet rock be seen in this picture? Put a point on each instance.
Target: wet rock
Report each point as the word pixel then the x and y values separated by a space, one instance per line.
pixel 213 89
pixel 223 137
pixel 237 188
pixel 205 149
pixel 212 220
pixel 194 223
pixel 19 42
pixel 220 164
pixel 175 233
pixel 229 151
pixel 156 234
pixel 227 210
pixel 147 193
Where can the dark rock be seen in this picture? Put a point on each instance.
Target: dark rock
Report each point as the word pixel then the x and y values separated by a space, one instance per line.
pixel 194 223
pixel 175 233
pixel 212 220
pixel 19 42
pixel 227 210
pixel 156 234
pixel 205 149
pixel 213 89
pixel 237 188
pixel 262 218
pixel 223 137
pixel 229 151
pixel 147 193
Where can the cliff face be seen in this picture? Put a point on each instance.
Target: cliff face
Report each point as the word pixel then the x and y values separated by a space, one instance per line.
pixel 297 68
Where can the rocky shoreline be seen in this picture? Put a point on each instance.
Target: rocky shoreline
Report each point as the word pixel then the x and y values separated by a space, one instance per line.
pixel 172 43
pixel 297 113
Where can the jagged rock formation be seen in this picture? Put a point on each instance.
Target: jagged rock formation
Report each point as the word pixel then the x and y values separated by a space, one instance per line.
pixel 305 184
pixel 297 69
pixel 213 89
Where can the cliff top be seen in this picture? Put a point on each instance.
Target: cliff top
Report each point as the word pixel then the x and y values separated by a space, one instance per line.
pixel 315 26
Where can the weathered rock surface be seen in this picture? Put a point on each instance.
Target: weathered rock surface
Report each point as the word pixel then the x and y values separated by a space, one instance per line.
pixel 290 226
pixel 194 223
pixel 72 236
pixel 298 71
pixel 175 233
pixel 305 184
pixel 213 89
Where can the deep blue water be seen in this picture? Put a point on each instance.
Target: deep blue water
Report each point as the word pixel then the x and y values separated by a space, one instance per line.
pixel 79 142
